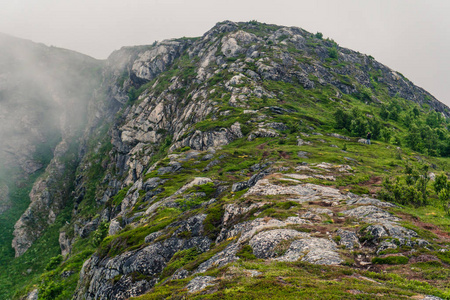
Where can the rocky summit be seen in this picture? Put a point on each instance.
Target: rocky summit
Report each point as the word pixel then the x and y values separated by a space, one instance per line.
pixel 233 165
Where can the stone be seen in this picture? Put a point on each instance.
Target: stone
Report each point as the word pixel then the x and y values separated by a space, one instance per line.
pixel 314 250
pixel 264 243
pixel 348 239
pixel 371 214
pixel 340 136
pixel 226 256
pixel 114 227
pixel 171 168
pixel 200 283
pixel 369 201
pixel 262 132
pixel 33 295
pixel 363 141
pixel 302 154
pixel 385 245
pixel 152 236
pixel 301 142
pixel 65 243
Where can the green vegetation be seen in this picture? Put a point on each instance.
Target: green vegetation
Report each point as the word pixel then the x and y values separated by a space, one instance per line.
pixel 390 260
pixel 293 110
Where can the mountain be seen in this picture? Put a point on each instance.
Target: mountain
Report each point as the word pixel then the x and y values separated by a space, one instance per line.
pixel 236 165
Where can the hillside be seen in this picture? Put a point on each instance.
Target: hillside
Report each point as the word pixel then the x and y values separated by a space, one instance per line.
pixel 235 165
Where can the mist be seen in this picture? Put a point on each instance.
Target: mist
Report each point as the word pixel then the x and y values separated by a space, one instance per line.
pixel 44 93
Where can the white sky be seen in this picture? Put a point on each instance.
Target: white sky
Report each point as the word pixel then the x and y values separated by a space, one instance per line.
pixel 410 36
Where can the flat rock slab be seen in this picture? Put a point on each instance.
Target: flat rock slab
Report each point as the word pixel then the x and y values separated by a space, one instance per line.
pixel 249 228
pixel 317 251
pixel 265 243
pixel 307 192
pixel 199 283
pixel 220 259
pixel 369 201
pixel 371 214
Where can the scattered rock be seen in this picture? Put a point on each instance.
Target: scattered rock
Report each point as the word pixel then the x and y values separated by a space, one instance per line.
pixel 301 142
pixel 302 154
pixel 262 132
pixel 340 136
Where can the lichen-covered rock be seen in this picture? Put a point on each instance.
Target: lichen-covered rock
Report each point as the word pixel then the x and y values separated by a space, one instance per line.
pixel 249 228
pixel 317 251
pixel 65 243
pixel 368 201
pixel 199 283
pixel 262 132
pixel 265 243
pixel 348 239
pixel 371 214
pixel 226 256
pixel 97 272
pixel 303 192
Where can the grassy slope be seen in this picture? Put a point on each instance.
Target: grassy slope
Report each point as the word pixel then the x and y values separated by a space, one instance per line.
pixel 311 108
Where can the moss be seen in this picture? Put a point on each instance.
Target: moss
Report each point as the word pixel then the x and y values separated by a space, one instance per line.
pixel 246 253
pixel 213 220
pixel 390 260
pixel 180 259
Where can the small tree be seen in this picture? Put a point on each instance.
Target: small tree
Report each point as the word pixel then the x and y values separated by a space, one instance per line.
pixel 319 35
pixel 440 183
pixel 444 198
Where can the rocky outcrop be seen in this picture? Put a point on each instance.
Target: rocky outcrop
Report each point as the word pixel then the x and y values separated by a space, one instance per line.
pixel 114 277
pixel 47 199
pixel 313 250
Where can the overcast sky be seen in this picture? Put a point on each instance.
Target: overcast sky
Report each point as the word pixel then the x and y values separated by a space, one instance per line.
pixel 410 36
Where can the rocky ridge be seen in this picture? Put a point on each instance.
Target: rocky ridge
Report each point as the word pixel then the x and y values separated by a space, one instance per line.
pixel 200 153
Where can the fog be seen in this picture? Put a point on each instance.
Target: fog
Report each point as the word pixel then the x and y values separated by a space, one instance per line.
pixel 44 92
pixel 410 36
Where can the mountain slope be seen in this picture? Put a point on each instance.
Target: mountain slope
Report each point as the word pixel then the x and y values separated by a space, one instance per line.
pixel 216 163
pixel 44 97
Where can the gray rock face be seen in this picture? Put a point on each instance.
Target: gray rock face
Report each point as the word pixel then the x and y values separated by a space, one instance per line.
pixel 114 227
pixel 97 273
pixel 47 200
pixel 317 251
pixel 369 201
pixel 371 214
pixel 158 59
pixel 226 256
pixel 204 140
pixel 302 192
pixel 262 132
pixel 348 239
pixel 264 243
pixel 65 243
pixel 199 283
pixel 249 228
pixel 33 295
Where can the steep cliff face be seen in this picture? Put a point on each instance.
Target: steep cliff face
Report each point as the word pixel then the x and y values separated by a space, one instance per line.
pixel 201 152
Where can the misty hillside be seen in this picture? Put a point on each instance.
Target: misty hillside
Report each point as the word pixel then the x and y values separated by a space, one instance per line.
pixel 230 165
